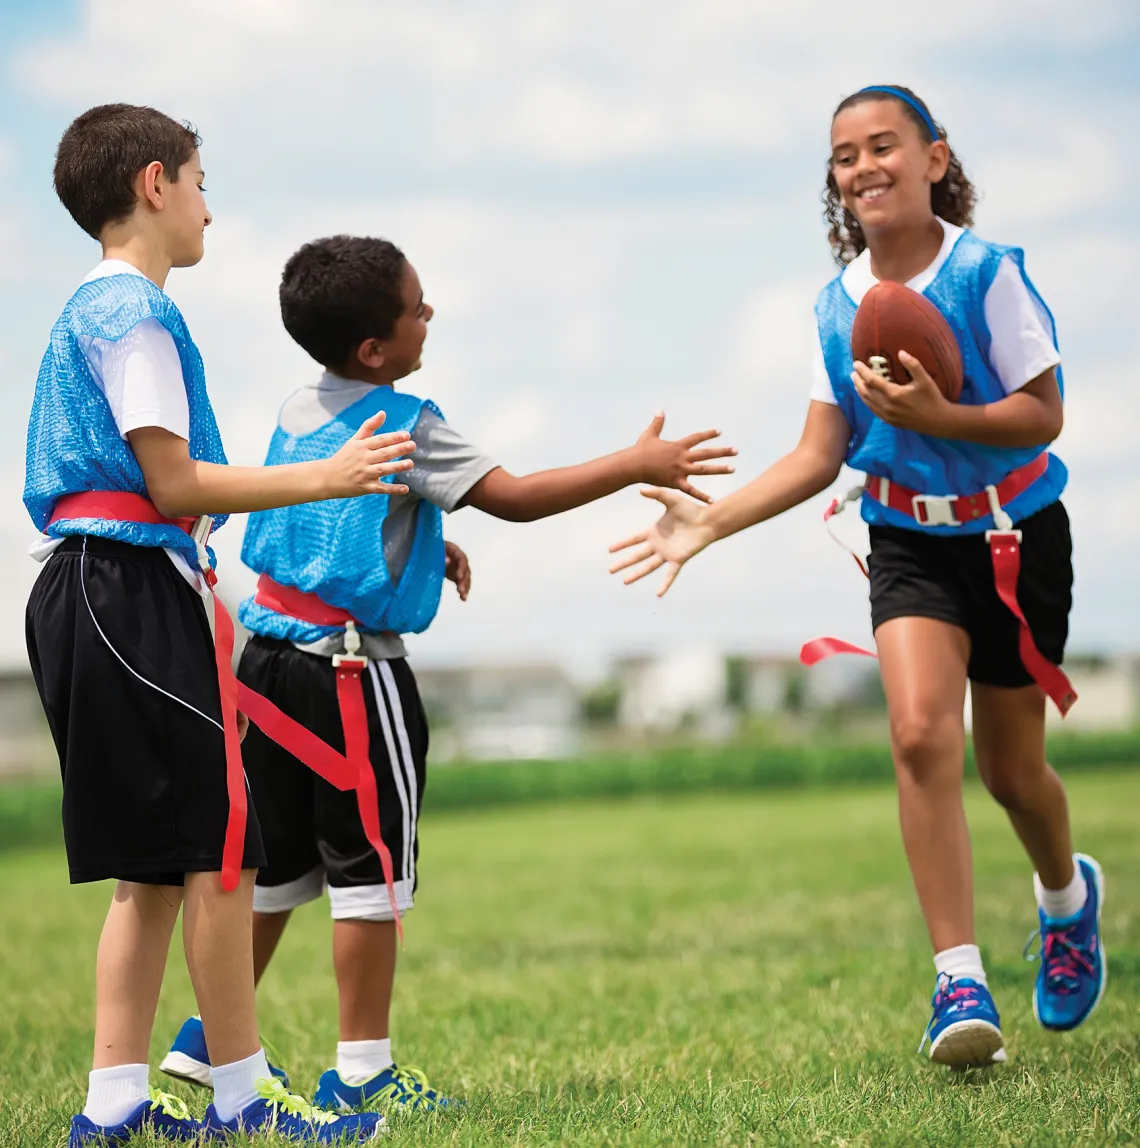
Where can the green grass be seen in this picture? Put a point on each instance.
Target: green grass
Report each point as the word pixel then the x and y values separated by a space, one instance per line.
pixel 701 969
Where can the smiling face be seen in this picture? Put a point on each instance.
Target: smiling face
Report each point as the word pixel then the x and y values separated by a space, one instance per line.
pixel 884 165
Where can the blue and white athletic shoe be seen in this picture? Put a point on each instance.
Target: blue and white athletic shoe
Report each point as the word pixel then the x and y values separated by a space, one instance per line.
pixel 964 1029
pixel 293 1118
pixel 1074 968
pixel 189 1060
pixel 163 1114
pixel 402 1086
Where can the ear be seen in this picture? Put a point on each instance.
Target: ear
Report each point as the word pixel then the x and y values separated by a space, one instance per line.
pixel 939 160
pixel 370 354
pixel 149 184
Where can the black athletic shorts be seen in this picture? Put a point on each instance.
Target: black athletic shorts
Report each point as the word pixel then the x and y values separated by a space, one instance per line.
pixel 914 574
pixel 312 830
pixel 124 663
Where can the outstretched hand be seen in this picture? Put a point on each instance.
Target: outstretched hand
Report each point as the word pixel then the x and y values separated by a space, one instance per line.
pixel 679 534
pixel 362 464
pixel 665 462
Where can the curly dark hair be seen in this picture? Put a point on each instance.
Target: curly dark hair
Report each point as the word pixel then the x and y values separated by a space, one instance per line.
pixel 339 291
pixel 104 149
pixel 953 197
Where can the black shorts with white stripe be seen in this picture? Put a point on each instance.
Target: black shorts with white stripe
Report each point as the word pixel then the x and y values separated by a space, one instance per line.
pixel 123 658
pixel 312 830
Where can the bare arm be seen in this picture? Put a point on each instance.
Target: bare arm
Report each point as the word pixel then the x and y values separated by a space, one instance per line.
pixel 686 528
pixel 1030 416
pixel 180 486
pixel 651 459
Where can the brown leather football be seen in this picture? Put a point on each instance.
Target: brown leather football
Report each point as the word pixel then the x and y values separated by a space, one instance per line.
pixel 894 318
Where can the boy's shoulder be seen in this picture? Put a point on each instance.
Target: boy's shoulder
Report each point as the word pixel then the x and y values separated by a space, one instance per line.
pixel 108 306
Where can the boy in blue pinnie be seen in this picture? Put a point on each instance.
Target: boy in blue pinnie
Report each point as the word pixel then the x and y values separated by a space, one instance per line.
pixel 124 464
pixel 336 592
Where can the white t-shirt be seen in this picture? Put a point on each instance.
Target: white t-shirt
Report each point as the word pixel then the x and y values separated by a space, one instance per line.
pixel 141 377
pixel 140 374
pixel 1020 347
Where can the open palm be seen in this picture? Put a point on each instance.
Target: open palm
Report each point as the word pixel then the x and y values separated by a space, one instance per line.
pixel 671 541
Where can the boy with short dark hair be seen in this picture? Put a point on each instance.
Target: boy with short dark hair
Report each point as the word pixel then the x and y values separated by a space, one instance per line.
pixel 124 463
pixel 341 589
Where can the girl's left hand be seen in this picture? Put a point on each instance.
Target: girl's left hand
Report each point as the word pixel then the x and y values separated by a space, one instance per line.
pixel 915 406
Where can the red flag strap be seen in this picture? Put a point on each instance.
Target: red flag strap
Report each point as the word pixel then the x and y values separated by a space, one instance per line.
pixel 310 750
pixel 1005 551
pixel 354 719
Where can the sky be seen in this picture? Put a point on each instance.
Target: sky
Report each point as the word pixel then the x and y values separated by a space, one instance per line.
pixel 613 207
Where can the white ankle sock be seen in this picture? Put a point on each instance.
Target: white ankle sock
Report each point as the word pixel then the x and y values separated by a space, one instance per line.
pixel 360 1060
pixel 235 1085
pixel 961 961
pixel 1062 903
pixel 114 1093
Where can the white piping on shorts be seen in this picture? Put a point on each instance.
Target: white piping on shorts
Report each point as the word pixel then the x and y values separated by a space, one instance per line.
pixel 130 669
pixel 397 767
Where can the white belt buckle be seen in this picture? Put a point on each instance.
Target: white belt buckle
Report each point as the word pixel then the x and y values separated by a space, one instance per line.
pixel 938 509
pixel 351 655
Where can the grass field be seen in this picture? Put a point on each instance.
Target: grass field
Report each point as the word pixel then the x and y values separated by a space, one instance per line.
pixel 719 969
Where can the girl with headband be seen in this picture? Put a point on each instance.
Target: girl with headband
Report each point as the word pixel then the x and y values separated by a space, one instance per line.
pixel 971 556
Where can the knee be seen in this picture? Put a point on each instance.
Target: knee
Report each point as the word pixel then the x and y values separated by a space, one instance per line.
pixel 1011 783
pixel 922 741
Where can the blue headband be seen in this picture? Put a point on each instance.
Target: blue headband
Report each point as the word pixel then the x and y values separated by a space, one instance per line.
pixel 909 100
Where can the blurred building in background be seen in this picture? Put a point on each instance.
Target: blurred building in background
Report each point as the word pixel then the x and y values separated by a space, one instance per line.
pixel 536 711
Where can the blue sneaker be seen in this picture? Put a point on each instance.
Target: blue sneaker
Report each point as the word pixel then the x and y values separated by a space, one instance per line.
pixel 964 1029
pixel 189 1060
pixel 293 1118
pixel 1074 968
pixel 406 1086
pixel 163 1114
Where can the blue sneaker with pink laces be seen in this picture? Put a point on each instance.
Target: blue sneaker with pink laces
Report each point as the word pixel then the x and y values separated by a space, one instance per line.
pixel 964 1029
pixel 1074 968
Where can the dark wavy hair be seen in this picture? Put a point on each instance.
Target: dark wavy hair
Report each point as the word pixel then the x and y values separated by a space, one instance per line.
pixel 952 198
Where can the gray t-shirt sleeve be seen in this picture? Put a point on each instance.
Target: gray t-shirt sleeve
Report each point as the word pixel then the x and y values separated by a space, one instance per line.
pixel 447 464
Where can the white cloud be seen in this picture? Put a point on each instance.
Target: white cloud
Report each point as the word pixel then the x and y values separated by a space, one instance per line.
pixel 557 82
pixel 567 312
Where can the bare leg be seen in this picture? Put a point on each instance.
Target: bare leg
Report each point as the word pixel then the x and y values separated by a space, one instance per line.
pixel 128 973
pixel 364 955
pixel 268 929
pixel 217 931
pixel 924 674
pixel 1009 743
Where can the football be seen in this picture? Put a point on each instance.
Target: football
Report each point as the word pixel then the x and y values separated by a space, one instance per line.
pixel 894 318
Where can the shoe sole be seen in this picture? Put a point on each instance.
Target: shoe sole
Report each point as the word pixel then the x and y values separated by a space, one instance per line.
pixel 1098 879
pixel 968 1044
pixel 183 1067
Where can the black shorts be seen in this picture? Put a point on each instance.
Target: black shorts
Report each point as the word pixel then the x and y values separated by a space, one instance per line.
pixel 143 761
pixel 312 830
pixel 952 579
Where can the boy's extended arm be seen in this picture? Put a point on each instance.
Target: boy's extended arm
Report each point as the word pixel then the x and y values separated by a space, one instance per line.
pixel 180 486
pixel 652 459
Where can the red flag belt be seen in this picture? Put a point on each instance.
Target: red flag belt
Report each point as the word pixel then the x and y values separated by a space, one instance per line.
pixel 349 668
pixel 350 770
pixel 1005 553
